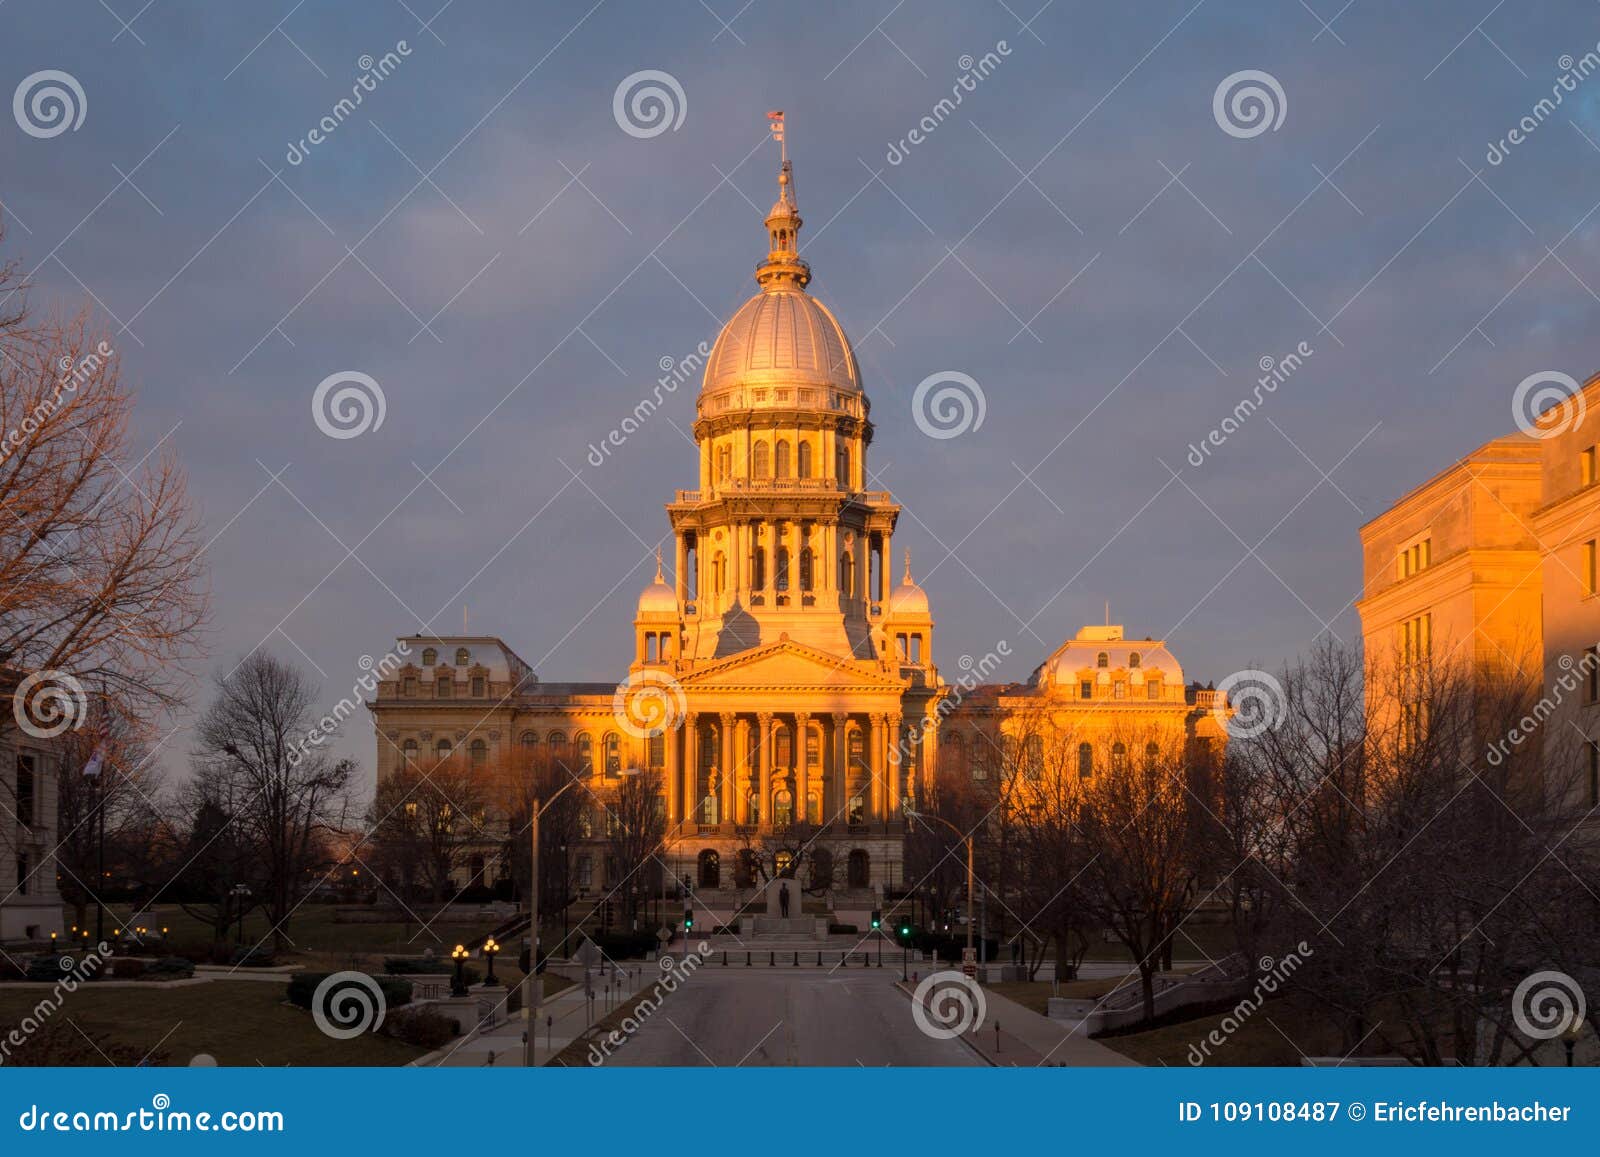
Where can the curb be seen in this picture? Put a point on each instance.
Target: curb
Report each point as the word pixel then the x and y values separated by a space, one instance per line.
pixel 977 1050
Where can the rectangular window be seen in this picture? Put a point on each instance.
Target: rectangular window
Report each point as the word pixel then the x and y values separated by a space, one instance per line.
pixel 1416 557
pixel 27 789
pixel 442 689
pixel 1119 690
pixel 585 871
pixel 1416 640
pixel 1594 774
pixel 1152 690
pixel 1086 689
pixel 1586 467
pixel 479 687
pixel 1591 683
pixel 23 871
pixel 1587 574
pixel 408 687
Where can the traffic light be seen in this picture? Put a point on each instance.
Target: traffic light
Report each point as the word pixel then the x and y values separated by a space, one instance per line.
pixel 905 930
pixel 688 919
pixel 877 919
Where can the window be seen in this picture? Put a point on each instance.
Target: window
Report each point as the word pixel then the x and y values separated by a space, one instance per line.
pixel 585 871
pixel 1085 761
pixel 558 748
pixel 782 458
pixel 408 750
pixel 1152 689
pixel 807 580
pixel 1586 467
pixel 1416 557
pixel 1086 689
pixel 408 687
pixel 655 749
pixel 442 688
pixel 1152 755
pixel 761 460
pixel 585 752
pixel 442 749
pixel 1591 683
pixel 463 656
pixel 613 755
pixel 1119 690
pixel 479 687
pixel 858 869
pixel 1133 660
pixel 1587 575
pixel 1119 756
pixel 856 811
pixel 1102 660
pixel 1416 640
pixel 1594 774
pixel 27 789
pixel 479 752
pixel 724 462
pixel 783 808
pixel 710 865
pixel 23 872
pixel 529 739
pixel 805 459
pixel 1033 757
pixel 430 657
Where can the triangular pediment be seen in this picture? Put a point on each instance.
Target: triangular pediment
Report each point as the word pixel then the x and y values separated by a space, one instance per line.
pixel 789 664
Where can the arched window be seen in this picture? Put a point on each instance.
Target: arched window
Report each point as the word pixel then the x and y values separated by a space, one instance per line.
pixel 1152 755
pixel 479 752
pixel 783 862
pixel 724 462
pixel 858 869
pixel 613 755
pixel 585 751
pixel 821 868
pixel 754 803
pixel 804 456
pixel 1119 756
pixel 761 460
pixel 463 656
pixel 429 657
pixel 1085 761
pixel 856 812
pixel 814 808
pixel 530 739
pixel 841 465
pixel 719 573
pixel 746 865
pixel 1102 660
pixel 783 568
pixel 408 750
pixel 710 865
pixel 758 566
pixel 783 808
pixel 1033 757
pixel 1133 660
pixel 806 577
pixel 782 458
pixel 442 749
pixel 847 575
pixel 558 748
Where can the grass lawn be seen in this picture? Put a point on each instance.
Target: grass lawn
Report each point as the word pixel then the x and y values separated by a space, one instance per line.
pixel 1275 1034
pixel 240 1022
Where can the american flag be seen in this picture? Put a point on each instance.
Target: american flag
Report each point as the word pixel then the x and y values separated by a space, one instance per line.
pixel 776 118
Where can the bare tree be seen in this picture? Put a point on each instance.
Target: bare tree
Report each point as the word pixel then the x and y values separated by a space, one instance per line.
pixel 636 826
pixel 260 733
pixel 427 821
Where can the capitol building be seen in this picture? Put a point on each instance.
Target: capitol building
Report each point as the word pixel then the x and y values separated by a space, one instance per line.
pixel 781 680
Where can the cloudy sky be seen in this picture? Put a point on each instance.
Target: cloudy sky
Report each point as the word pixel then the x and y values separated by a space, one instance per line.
pixel 1081 236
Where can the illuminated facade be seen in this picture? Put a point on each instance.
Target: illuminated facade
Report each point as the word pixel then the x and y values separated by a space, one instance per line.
pixel 797 678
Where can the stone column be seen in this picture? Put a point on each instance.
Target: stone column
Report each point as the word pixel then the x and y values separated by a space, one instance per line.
pixel 725 761
pixel 671 775
pixel 802 766
pixel 928 750
pixel 765 745
pixel 691 768
pixel 680 566
pixel 840 776
pixel 875 808
pixel 895 766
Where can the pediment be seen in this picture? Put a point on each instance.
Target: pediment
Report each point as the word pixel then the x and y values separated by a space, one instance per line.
pixel 789 664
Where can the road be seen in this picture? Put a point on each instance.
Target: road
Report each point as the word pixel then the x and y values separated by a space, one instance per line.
pixel 731 1017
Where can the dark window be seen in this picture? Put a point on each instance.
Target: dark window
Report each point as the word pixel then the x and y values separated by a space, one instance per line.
pixel 710 864
pixel 27 789
pixel 858 869
pixel 1086 689
pixel 1085 761
pixel 23 872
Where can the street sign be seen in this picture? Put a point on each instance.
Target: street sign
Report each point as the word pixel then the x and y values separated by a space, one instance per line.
pixel 969 962
pixel 588 953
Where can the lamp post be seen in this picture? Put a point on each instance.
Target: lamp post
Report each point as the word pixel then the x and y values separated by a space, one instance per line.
pixel 533 987
pixel 1570 1035
pixel 966 839
pixel 491 948
pixel 240 893
pixel 459 954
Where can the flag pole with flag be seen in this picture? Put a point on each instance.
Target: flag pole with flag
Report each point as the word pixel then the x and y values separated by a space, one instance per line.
pixel 775 119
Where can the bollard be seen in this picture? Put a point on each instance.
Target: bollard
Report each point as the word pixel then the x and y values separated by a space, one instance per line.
pixel 772 958
pixel 996 1036
pixel 797 958
pixel 747 960
pixel 819 958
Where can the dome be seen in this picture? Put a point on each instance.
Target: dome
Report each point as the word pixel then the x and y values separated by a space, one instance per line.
pixel 658 598
pixel 908 600
pixel 782 336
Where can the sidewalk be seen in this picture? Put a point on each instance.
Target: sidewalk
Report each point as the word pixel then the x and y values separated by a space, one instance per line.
pixel 1026 1039
pixel 562 1019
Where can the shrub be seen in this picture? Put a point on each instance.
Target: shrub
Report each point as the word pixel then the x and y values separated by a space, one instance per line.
pixel 168 968
pixel 625 945
pixel 427 966
pixel 424 1027
pixel 303 986
pixel 258 956
pixel 48 968
pixel 127 968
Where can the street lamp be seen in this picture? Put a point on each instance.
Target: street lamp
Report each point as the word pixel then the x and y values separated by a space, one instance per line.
pixel 966 839
pixel 459 955
pixel 1570 1035
pixel 533 987
pixel 490 948
pixel 240 893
